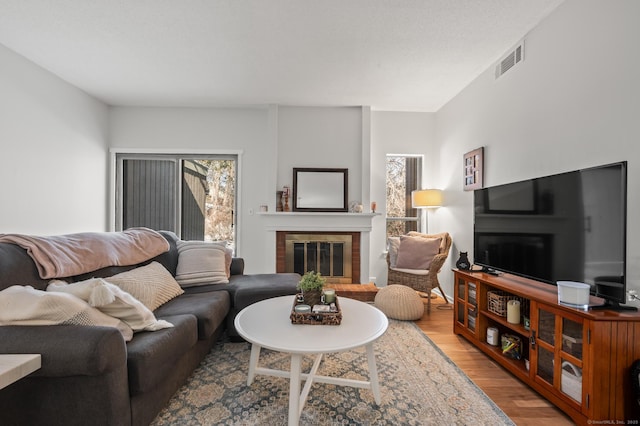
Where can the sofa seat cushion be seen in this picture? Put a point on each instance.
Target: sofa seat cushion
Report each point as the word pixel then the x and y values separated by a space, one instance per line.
pixel 150 355
pixel 248 289
pixel 209 308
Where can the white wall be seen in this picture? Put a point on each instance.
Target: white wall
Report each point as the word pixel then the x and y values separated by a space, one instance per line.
pixel 572 103
pixel 53 145
pixel 211 130
pixel 320 137
pixel 272 140
pixel 408 133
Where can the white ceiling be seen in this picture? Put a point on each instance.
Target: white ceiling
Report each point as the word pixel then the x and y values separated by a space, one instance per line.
pixel 410 55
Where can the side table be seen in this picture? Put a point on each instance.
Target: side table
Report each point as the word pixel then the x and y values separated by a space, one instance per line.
pixel 14 367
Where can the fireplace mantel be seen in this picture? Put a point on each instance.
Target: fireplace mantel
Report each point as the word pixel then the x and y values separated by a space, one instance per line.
pixel 360 223
pixel 318 221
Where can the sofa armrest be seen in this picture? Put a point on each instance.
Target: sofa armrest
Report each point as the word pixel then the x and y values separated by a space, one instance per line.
pixel 237 266
pixel 67 350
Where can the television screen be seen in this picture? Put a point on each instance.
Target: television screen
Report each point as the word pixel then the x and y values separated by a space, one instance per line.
pixel 565 227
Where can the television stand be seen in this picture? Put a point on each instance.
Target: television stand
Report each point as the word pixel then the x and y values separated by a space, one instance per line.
pixel 577 359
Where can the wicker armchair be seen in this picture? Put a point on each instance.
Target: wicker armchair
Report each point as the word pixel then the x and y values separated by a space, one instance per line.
pixel 419 279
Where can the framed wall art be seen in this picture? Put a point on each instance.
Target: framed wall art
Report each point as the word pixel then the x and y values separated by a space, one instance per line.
pixel 473 169
pixel 320 190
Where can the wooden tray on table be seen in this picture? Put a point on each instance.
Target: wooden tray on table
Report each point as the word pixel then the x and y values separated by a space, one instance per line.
pixel 315 318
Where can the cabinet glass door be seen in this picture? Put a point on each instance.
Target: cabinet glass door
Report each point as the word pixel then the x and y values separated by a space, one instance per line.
pixel 472 315
pixel 546 326
pixel 472 295
pixel 572 338
pixel 462 293
pixel 461 308
pixel 571 355
pixel 545 365
pixel 559 357
pixel 466 304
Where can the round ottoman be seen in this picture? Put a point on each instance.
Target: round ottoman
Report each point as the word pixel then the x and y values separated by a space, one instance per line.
pixel 399 302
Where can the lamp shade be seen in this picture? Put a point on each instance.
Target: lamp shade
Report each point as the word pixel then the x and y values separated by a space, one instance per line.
pixel 425 198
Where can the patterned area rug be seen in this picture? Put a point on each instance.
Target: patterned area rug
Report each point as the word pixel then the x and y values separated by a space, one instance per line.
pixel 420 385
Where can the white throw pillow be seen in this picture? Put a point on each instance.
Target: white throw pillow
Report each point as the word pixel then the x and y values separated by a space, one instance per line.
pixel 201 263
pixel 151 284
pixel 393 244
pixel 24 305
pixel 113 301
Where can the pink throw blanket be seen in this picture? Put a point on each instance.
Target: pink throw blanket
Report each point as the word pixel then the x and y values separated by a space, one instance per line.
pixel 74 254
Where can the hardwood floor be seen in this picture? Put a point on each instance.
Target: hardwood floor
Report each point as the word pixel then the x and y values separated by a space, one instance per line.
pixel 522 404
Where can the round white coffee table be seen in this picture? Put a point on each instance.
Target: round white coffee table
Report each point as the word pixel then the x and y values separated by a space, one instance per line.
pixel 266 324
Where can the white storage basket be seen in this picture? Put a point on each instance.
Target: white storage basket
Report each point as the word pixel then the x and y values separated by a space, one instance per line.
pixel 571 381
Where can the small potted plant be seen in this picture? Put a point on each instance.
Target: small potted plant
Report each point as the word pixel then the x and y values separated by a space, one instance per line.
pixel 311 286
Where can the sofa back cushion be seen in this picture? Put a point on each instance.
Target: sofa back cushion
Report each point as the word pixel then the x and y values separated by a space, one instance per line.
pixel 17 267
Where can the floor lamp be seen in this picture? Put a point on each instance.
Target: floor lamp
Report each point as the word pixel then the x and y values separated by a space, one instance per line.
pixel 426 199
pixel 429 199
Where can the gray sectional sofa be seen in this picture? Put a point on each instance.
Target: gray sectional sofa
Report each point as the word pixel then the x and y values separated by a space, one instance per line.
pixel 91 376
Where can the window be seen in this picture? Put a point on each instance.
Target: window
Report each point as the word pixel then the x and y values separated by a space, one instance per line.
pixel 193 196
pixel 403 176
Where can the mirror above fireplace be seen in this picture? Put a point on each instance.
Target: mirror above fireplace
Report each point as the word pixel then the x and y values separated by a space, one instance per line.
pixel 320 190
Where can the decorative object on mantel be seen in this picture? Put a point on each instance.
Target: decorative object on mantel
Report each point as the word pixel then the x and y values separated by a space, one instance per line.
pixel 311 285
pixel 320 190
pixel 374 205
pixel 355 207
pixel 278 201
pixel 473 169
pixel 286 192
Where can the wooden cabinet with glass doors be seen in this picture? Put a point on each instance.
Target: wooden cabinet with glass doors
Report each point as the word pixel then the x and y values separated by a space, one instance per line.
pixel 578 360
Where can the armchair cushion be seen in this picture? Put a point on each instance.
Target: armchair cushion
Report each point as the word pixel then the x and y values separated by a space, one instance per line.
pixel 417 252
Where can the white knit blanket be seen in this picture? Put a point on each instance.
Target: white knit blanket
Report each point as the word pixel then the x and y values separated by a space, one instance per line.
pixel 24 305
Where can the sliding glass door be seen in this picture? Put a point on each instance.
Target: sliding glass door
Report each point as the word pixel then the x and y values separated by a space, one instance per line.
pixel 193 196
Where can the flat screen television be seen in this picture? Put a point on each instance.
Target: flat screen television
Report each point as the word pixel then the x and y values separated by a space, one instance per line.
pixel 565 227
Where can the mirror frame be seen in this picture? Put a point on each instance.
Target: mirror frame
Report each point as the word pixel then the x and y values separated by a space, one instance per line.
pixel 337 203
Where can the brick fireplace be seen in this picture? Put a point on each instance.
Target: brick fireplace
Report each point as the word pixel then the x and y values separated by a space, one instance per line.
pixel 334 254
pixel 326 228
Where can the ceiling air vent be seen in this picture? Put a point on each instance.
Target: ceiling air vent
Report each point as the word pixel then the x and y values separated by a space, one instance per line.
pixel 514 57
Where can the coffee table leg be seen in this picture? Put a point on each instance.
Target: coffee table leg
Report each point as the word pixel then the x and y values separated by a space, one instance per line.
pixel 373 374
pixel 253 363
pixel 294 389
